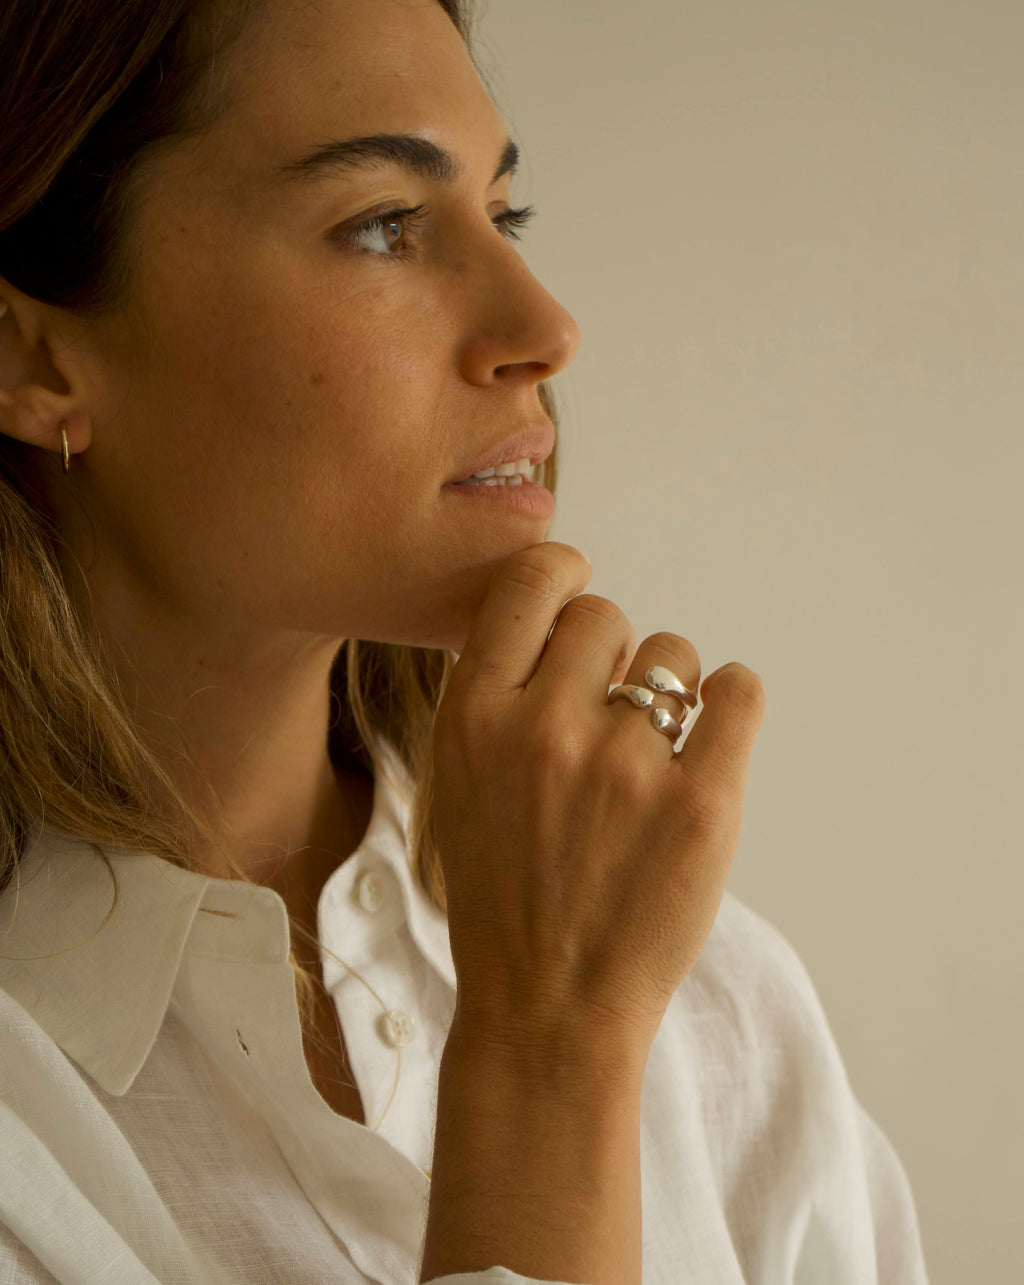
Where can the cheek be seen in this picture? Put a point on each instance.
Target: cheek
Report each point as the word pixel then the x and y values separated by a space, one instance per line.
pixel 377 393
pixel 297 447
pixel 341 424
pixel 340 353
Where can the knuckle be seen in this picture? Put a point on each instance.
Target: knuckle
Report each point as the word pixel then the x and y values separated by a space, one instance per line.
pixel 590 604
pixel 535 574
pixel 545 567
pixel 745 687
pixel 677 646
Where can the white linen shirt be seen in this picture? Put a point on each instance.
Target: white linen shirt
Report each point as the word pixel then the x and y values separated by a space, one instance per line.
pixel 158 1122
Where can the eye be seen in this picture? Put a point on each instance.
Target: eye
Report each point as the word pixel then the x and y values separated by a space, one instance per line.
pixel 409 221
pixel 509 220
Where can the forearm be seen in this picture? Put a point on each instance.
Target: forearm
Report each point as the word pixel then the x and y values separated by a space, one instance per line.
pixel 537 1165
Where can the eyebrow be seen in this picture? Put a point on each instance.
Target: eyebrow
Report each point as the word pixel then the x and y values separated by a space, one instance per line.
pixel 408 151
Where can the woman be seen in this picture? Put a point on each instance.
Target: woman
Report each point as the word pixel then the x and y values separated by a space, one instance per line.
pixel 427 1005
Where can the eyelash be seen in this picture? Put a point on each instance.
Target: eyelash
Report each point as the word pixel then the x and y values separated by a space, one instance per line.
pixel 507 222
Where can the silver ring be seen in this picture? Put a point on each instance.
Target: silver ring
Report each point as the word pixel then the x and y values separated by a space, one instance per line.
pixel 661 718
pixel 663 680
pixel 664 722
pixel 640 696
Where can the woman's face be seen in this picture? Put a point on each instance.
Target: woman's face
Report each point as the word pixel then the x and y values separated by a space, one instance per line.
pixel 276 413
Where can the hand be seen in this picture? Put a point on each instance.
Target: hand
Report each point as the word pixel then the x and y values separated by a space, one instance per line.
pixel 584 861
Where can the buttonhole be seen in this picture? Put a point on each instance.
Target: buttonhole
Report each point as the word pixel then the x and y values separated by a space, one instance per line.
pixel 241 1042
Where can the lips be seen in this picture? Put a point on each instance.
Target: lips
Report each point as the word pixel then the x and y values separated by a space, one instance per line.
pixel 534 443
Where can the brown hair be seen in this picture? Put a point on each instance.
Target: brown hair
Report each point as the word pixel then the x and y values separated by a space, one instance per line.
pixel 91 90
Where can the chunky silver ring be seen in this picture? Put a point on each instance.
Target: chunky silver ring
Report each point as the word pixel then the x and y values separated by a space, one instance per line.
pixel 663 680
pixel 642 699
pixel 664 722
pixel 640 696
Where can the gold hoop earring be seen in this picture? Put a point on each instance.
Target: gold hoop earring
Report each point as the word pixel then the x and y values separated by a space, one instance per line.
pixel 64 445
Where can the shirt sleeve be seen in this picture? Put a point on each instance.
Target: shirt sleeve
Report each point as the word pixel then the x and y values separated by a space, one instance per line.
pixel 875 1185
pixel 845 1209
pixel 898 1251
pixel 19 1264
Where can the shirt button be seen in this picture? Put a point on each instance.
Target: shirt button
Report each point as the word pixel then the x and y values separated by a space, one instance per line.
pixel 399 1028
pixel 370 892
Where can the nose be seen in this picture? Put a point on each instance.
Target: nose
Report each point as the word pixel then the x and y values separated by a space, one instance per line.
pixel 516 329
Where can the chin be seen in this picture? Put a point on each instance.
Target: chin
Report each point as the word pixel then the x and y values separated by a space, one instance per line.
pixel 440 613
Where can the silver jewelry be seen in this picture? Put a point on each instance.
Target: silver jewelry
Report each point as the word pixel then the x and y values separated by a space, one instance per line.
pixel 64 445
pixel 640 696
pixel 663 680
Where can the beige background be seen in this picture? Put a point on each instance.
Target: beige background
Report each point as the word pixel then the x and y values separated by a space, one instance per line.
pixel 792 237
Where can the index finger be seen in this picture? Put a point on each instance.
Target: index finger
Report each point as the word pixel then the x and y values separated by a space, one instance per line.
pixel 508 634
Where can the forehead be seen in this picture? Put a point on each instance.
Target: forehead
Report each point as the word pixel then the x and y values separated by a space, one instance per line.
pixel 306 72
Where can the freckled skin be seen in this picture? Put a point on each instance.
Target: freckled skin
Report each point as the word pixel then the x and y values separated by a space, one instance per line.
pixel 261 436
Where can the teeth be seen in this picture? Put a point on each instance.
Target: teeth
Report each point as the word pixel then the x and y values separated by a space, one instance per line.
pixel 502 475
pixel 520 467
pixel 515 480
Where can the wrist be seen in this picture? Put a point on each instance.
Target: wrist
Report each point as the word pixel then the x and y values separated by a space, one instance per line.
pixel 536 1160
pixel 562 1056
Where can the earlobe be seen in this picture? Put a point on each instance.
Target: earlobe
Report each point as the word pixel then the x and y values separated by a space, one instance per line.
pixel 41 418
pixel 30 410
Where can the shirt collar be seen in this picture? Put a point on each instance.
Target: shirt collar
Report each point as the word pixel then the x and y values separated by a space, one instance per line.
pixel 97 976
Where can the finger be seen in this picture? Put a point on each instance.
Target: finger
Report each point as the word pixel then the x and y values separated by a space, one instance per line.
pixel 625 659
pixel 509 632
pixel 587 644
pixel 675 654
pixel 719 745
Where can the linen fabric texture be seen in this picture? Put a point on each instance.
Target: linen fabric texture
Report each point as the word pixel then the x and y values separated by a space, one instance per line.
pixel 158 1125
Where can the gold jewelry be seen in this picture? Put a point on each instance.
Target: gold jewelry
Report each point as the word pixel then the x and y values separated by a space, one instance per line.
pixel 64 445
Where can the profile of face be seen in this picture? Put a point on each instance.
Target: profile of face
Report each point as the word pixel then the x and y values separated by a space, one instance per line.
pixel 262 437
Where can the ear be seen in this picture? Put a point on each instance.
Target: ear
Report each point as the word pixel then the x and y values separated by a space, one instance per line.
pixel 35 396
